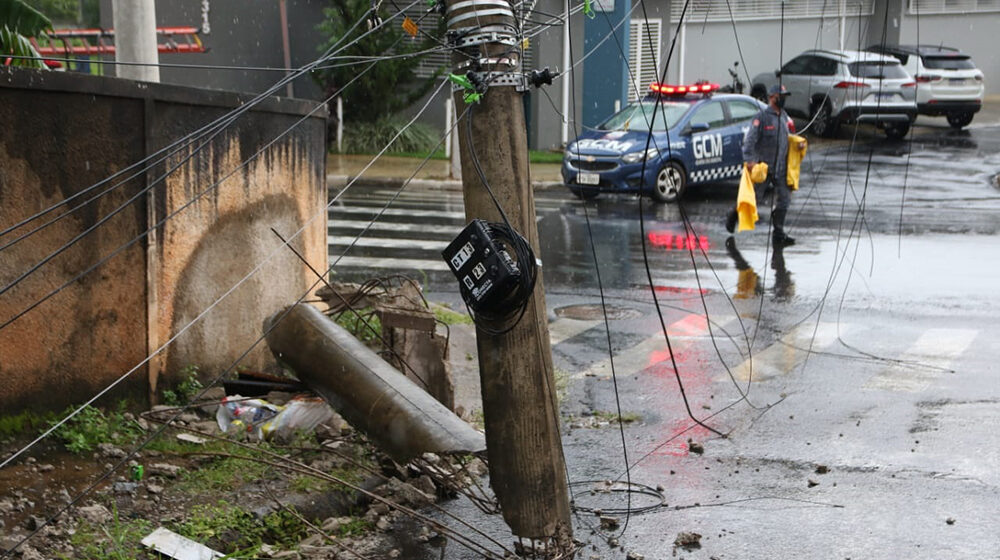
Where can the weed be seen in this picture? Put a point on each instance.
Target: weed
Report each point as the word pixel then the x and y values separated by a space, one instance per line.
pixel 187 389
pixel 92 426
pixel 353 324
pixel 222 474
pixel 356 526
pixel 15 424
pixel 117 540
pixel 228 528
pixel 562 383
pixel 477 419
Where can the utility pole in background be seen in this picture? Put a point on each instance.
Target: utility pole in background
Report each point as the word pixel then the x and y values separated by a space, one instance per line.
pixel 135 39
pixel 520 409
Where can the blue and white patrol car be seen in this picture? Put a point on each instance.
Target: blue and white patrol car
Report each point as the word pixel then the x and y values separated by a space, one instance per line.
pixel 697 137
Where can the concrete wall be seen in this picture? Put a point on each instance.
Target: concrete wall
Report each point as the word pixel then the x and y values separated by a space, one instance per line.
pixel 709 49
pixel 64 132
pixel 975 34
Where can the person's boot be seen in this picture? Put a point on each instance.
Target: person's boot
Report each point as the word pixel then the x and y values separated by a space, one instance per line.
pixel 778 223
pixel 731 220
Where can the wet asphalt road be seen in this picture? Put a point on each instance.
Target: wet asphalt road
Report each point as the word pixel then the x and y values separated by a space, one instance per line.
pixel 870 426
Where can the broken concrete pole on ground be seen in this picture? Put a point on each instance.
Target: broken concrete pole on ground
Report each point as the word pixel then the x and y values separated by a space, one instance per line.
pixel 396 414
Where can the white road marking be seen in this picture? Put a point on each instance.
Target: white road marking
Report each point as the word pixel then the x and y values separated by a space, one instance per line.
pixel 388 263
pixel 788 352
pixel 401 243
pixel 936 348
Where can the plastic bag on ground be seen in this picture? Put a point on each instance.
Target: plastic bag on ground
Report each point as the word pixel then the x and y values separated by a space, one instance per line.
pixel 259 419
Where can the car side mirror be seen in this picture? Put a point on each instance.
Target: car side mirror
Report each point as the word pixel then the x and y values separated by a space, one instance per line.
pixel 696 127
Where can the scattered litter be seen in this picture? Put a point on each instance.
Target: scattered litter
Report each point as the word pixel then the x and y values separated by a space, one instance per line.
pixel 812 483
pixel 950 521
pixel 125 487
pixel 263 420
pixel 695 447
pixel 191 438
pixel 822 469
pixel 634 556
pixel 613 542
pixel 171 544
pixel 608 523
pixel 687 539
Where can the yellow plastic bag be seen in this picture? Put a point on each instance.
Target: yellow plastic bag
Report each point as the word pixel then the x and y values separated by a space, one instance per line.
pixel 746 200
pixel 797 146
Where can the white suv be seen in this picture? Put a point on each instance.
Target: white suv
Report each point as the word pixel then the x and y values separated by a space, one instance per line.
pixel 948 82
pixel 831 87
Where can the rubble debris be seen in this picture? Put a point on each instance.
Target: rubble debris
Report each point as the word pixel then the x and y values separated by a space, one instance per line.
pixel 812 483
pixel 191 438
pixel 262 420
pixel 95 514
pixel 688 540
pixel 950 521
pixel 375 398
pixel 257 384
pixel 608 523
pixel 695 447
pixel 822 469
pixel 634 556
pixel 171 544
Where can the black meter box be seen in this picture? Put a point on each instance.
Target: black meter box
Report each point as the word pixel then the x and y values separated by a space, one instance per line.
pixel 485 270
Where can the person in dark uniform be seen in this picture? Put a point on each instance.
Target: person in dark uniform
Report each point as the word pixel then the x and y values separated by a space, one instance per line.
pixel 767 140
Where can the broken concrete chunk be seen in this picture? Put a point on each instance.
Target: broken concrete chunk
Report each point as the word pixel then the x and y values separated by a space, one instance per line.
pixel 688 539
pixel 608 523
pixel 695 447
pixel 822 469
pixel 95 514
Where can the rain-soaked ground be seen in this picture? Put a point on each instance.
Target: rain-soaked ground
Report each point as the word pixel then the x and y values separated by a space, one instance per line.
pixel 853 374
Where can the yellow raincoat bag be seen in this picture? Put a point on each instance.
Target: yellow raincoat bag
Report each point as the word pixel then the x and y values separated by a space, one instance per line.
pixel 746 200
pixel 797 147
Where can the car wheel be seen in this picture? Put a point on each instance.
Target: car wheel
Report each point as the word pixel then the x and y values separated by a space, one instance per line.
pixel 958 120
pixel 897 131
pixel 759 93
pixel 823 123
pixel 670 182
pixel 585 193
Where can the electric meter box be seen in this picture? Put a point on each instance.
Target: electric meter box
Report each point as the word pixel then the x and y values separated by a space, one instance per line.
pixel 485 270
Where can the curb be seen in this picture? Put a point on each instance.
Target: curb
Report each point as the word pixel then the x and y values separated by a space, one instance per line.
pixel 341 181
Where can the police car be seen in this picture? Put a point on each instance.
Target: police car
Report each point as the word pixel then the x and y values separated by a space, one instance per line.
pixel 697 137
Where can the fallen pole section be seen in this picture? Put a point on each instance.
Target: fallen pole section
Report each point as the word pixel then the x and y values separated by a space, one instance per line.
pixel 374 397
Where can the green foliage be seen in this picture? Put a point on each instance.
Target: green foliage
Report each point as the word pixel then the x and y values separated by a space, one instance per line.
pixel 118 540
pixel 355 527
pixel 223 474
pixel 92 426
pixel 228 528
pixel 22 422
pixel 18 22
pixel 391 85
pixel 186 390
pixel 371 136
pixel 57 10
pixel 353 324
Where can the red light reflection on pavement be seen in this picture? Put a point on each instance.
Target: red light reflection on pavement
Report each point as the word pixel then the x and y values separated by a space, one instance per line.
pixel 676 242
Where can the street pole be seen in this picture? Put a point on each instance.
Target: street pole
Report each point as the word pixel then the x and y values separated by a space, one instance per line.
pixel 520 409
pixel 566 38
pixel 135 39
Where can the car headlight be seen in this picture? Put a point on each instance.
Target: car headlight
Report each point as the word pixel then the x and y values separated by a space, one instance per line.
pixel 636 157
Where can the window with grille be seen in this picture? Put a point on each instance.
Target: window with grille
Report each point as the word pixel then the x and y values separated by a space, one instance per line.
pixel 719 10
pixel 644 39
pixel 953 6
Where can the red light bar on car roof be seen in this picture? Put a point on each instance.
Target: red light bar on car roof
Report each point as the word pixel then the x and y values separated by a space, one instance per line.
pixel 666 89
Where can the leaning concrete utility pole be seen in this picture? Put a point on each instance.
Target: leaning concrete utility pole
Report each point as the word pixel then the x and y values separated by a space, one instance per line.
pixel 135 39
pixel 527 467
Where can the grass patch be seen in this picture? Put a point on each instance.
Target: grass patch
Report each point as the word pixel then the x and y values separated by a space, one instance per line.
pixel 562 384
pixel 92 426
pixel 222 474
pixel 24 422
pixel 117 540
pixel 228 528
pixel 449 317
pixel 355 527
pixel 371 137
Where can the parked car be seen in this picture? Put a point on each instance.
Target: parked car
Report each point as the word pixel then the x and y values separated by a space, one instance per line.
pixel 697 137
pixel 832 87
pixel 948 82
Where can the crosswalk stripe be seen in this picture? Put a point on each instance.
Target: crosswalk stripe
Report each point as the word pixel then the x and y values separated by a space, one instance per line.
pixel 564 328
pixel 789 351
pixel 408 212
pixel 652 350
pixel 389 263
pixel 357 225
pixel 935 349
pixel 401 243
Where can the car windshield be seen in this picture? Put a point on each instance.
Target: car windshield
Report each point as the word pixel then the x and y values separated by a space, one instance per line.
pixel 948 63
pixel 637 115
pixel 878 70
